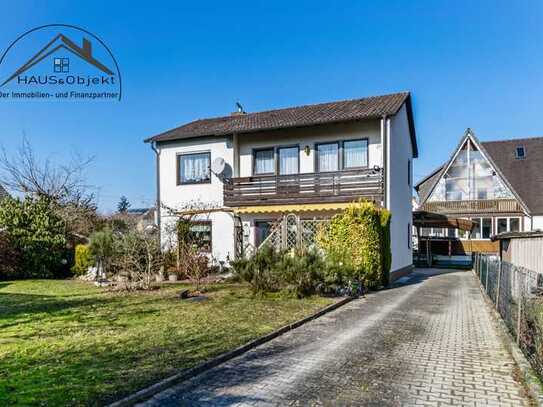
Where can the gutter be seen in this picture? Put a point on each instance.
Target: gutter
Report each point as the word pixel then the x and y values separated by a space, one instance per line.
pixel 158 207
pixel 384 142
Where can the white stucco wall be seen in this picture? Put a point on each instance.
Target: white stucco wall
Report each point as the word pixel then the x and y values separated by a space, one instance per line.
pixel 399 191
pixel 537 222
pixel 179 196
pixel 309 136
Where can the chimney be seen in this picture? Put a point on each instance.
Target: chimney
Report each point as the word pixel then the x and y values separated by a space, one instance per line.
pixel 87 47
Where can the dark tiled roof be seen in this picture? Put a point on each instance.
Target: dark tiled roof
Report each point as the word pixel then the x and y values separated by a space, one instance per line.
pixel 525 176
pixel 310 115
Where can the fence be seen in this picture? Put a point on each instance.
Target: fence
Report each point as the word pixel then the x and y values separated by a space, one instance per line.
pixel 517 294
pixel 292 232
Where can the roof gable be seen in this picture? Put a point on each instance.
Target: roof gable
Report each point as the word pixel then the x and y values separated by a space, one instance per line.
pixel 373 107
pixel 430 185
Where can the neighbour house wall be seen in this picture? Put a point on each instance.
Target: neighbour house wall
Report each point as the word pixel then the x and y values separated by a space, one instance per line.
pixel 524 252
pixel 179 196
pixel 537 222
pixel 310 136
pixel 399 191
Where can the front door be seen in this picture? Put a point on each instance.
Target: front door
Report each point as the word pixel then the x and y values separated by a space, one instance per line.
pixel 262 231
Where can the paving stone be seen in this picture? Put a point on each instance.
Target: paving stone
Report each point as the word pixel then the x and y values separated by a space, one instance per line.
pixel 429 342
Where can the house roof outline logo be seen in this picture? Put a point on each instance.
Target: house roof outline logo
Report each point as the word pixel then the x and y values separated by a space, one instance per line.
pixel 84 52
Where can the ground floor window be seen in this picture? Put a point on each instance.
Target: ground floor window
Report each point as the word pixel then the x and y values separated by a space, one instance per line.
pixel 262 231
pixel 483 228
pixel 200 235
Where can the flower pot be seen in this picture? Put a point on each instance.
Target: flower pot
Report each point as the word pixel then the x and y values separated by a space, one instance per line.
pixel 172 277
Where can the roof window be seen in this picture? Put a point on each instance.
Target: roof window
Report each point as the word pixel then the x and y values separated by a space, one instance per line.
pixel 520 153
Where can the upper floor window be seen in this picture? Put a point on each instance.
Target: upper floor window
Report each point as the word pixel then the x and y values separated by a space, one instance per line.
pixel 520 153
pixel 327 157
pixel 355 154
pixel 264 161
pixel 288 160
pixel 344 155
pixel 193 168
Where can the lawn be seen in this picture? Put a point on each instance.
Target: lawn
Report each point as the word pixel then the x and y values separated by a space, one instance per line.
pixel 66 342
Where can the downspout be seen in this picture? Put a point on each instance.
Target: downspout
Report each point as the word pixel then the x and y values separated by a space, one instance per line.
pixel 384 142
pixel 158 207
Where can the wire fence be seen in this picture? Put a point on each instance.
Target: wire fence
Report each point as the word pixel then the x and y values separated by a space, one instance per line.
pixel 517 294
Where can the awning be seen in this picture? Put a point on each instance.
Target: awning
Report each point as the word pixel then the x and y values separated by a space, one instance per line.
pixel 429 219
pixel 292 208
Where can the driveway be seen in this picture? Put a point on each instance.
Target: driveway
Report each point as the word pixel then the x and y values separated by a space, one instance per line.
pixel 430 341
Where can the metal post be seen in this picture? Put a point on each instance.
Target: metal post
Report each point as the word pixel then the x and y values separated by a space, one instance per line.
pixel 519 308
pixel 499 283
pixel 486 284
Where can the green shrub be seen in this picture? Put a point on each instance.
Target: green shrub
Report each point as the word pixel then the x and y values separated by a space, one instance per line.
pixel 83 259
pixel 37 232
pixel 301 273
pixel 260 270
pixel 353 243
pixel 102 248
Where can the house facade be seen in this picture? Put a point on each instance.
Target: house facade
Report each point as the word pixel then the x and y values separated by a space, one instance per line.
pixel 239 174
pixel 495 184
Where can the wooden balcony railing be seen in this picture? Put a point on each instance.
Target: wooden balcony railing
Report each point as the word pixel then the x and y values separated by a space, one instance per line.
pixel 340 186
pixel 475 206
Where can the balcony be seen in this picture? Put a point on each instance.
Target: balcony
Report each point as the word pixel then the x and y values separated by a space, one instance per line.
pixel 340 186
pixel 474 206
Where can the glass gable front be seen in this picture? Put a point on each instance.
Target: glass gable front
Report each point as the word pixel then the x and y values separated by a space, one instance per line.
pixel 469 177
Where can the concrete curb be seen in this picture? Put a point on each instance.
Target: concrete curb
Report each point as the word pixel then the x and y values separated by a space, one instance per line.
pixel 529 377
pixel 152 390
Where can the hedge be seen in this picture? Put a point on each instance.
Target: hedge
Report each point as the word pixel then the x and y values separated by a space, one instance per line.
pixel 358 241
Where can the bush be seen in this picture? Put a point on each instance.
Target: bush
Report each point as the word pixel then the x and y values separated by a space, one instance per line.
pixel 260 270
pixel 37 232
pixel 10 259
pixel 355 242
pixel 102 248
pixel 386 250
pixel 83 259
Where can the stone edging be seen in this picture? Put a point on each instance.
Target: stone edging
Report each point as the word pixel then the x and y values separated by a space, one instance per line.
pixel 529 377
pixel 186 374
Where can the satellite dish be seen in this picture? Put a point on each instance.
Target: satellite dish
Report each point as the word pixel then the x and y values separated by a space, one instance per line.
pixel 218 166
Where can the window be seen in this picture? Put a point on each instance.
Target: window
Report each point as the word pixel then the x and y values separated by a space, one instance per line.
pixel 355 154
pixel 520 153
pixel 289 160
pixel 451 233
pixel 514 225
pixel 200 235
pixel 264 162
pixel 262 231
pixel 328 157
pixel 487 228
pixel 476 231
pixel 193 168
pixel 501 225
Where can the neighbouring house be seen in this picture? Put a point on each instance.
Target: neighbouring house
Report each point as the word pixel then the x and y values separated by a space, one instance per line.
pixel 243 175
pixel 496 184
pixel 145 217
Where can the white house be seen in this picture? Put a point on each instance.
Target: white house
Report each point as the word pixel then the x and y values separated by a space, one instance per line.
pixel 308 160
pixel 496 184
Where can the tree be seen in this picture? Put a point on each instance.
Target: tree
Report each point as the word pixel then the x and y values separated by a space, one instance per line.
pixel 123 204
pixel 61 184
pixel 35 230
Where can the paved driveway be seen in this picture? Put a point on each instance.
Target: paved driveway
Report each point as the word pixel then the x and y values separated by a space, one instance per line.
pixel 429 342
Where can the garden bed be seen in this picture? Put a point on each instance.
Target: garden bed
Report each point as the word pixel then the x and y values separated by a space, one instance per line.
pixel 70 343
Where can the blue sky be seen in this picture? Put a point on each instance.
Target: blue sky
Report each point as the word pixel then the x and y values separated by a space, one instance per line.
pixel 467 64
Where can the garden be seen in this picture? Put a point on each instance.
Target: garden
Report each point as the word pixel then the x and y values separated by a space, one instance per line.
pixel 88 314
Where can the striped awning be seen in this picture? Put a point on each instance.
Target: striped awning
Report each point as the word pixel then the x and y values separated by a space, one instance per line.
pixel 292 208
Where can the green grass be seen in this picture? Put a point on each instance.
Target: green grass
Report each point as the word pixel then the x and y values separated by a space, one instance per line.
pixel 70 343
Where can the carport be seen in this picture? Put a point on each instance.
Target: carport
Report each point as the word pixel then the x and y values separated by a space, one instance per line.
pixel 424 255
